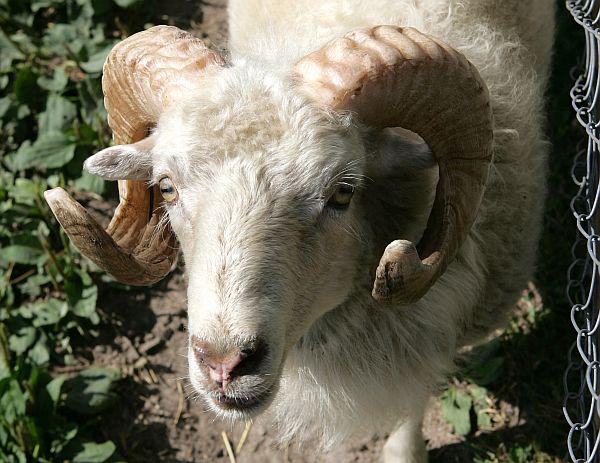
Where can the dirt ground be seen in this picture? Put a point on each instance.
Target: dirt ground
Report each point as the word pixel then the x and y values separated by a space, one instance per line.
pixel 145 336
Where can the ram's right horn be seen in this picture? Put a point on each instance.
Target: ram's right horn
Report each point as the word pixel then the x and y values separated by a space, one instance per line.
pixel 143 75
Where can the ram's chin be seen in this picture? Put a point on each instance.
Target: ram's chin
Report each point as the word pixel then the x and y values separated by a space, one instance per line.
pixel 239 404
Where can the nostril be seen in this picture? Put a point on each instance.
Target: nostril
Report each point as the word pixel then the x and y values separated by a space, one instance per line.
pixel 247 351
pixel 252 356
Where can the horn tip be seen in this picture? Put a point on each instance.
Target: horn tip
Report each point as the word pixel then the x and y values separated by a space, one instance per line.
pixel 401 277
pixel 52 193
pixel 55 197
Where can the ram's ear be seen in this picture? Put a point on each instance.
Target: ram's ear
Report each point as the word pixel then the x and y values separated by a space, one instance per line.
pixel 123 162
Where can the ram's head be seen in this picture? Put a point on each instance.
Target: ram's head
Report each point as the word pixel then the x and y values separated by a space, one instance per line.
pixel 270 185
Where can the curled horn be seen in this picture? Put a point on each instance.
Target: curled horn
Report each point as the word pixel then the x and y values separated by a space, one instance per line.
pixel 143 75
pixel 398 77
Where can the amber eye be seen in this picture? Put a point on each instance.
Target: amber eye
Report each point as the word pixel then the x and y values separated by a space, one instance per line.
pixel 167 189
pixel 341 198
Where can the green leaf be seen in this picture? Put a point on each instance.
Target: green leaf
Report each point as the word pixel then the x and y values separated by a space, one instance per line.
pixel 90 391
pixel 484 420
pixel 22 340
pixel 91 103
pixel 486 363
pixel 50 150
pixel 8 51
pixel 487 372
pixel 456 407
pixel 57 83
pixel 58 116
pixel 13 402
pixel 126 3
pixel 54 387
pixel 21 254
pixel 33 285
pixel 92 452
pixel 25 87
pixel 64 435
pixel 25 41
pixel 5 104
pixel 37 5
pixel 23 111
pixel 89 182
pixel 481 407
pixel 3 439
pixel 64 40
pixel 82 295
pixel 24 191
pixel 96 61
pixel 49 312
pixel 479 394
pixel 39 354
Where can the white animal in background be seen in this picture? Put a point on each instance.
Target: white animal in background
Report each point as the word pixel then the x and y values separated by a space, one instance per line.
pixel 336 263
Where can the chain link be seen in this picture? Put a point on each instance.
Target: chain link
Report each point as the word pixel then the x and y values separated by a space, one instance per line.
pixel 581 405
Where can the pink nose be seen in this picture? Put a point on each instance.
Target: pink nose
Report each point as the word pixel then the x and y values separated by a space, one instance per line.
pixel 223 368
pixel 221 373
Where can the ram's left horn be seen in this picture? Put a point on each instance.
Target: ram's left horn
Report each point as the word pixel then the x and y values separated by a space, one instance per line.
pixel 143 75
pixel 399 77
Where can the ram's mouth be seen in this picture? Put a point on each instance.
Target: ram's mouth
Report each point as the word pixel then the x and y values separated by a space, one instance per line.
pixel 248 404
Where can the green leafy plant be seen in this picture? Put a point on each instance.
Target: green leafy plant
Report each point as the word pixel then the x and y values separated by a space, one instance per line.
pixel 460 404
pixel 51 119
pixel 39 415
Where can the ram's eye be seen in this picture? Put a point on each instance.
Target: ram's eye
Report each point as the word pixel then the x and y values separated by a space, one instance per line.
pixel 167 189
pixel 342 196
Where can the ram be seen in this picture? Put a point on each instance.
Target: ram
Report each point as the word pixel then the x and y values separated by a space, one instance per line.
pixel 356 190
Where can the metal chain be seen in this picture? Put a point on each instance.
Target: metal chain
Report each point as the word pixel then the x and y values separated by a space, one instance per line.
pixel 581 406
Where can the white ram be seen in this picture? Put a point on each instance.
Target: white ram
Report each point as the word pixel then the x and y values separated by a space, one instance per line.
pixel 285 180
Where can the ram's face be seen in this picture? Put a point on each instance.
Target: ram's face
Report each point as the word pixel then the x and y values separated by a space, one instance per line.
pixel 261 191
pixel 261 188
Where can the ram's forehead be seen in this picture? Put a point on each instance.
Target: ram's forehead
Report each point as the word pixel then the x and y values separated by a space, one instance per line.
pixel 257 117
